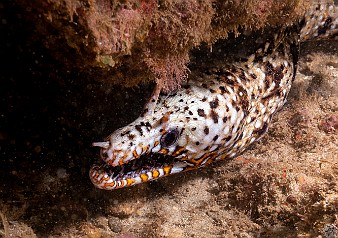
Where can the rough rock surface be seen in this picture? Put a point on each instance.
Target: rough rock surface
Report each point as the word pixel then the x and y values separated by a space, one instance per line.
pixel 128 42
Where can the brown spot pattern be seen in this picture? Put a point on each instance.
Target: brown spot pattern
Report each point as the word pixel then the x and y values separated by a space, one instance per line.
pixel 201 112
pixel 214 116
pixel 206 130
pixel 214 103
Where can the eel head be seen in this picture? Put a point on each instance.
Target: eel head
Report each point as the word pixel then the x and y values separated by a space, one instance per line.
pixel 151 147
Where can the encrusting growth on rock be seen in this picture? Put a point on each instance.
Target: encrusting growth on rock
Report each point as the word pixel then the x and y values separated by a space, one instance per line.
pixel 131 42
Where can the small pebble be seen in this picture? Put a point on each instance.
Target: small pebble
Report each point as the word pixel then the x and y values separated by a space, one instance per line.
pixel 115 224
pixel 330 231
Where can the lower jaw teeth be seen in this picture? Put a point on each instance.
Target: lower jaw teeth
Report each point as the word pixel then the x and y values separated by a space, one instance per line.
pixel 138 166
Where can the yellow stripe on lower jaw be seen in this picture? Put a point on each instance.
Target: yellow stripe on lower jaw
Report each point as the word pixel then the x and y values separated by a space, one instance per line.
pixel 117 184
pixel 156 174
pixel 120 184
pixel 130 182
pixel 135 154
pixel 109 186
pixel 103 180
pixel 144 177
pixel 167 170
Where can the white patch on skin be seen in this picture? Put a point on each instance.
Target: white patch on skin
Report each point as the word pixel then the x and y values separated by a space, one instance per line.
pixel 138 179
pixel 242 145
pixel 161 172
pixel 198 155
pixel 266 118
pixel 249 133
pixel 100 176
pixel 226 130
pixel 177 168
pixel 172 148
pixel 233 154
pixel 138 150
pixel 214 147
pixel 156 149
pixel 233 115
pixel 258 124
pixel 273 85
pixel 230 90
pixel 229 142
pixel 150 175
pixel 203 162
pixel 244 133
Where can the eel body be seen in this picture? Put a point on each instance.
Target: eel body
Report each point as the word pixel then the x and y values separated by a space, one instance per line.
pixel 216 115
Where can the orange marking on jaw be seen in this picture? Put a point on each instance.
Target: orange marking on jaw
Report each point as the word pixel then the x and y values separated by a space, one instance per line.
pixel 163 151
pixel 145 148
pixel 102 177
pixel 185 158
pixel 163 132
pixel 211 159
pixel 122 184
pixel 156 143
pixel 130 182
pixel 115 153
pixel 156 173
pixel 96 175
pixel 112 184
pixel 125 155
pixel 178 151
pixel 205 156
pixel 165 118
pixel 188 168
pixel 167 170
pixel 144 177
pixel 198 161
pixel 135 154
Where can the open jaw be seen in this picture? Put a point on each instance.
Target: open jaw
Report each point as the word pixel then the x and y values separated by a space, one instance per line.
pixel 145 168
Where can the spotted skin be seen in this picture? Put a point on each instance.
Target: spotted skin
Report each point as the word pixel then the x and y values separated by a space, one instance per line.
pixel 320 23
pixel 215 116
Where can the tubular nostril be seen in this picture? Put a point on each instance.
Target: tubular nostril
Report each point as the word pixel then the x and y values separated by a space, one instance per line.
pixel 104 144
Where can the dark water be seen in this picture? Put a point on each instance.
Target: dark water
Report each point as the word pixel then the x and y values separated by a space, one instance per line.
pixel 49 116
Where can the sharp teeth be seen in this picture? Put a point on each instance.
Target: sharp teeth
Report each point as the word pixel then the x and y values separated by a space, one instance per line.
pixel 104 145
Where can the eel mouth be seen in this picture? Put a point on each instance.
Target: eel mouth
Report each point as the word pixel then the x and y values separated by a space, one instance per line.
pixel 146 168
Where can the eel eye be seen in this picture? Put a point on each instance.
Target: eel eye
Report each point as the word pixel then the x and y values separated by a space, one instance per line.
pixel 169 138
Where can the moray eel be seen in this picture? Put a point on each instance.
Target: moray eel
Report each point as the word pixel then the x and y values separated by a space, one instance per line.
pixel 216 115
